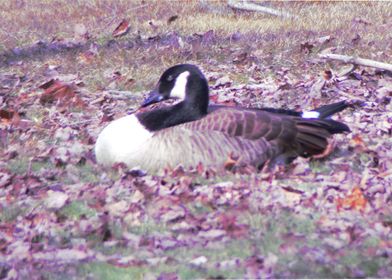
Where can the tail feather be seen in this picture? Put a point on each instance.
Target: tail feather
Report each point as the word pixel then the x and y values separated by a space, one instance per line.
pixel 332 126
pixel 324 112
pixel 313 135
pixel 330 109
pixel 313 132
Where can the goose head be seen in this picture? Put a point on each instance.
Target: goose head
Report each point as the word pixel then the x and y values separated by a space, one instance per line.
pixel 184 82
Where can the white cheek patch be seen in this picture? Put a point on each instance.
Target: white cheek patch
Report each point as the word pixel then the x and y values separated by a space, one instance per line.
pixel 310 115
pixel 179 89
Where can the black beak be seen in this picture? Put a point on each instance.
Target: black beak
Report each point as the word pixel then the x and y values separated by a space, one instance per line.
pixel 153 97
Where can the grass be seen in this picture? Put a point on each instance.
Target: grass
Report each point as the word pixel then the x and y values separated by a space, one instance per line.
pixel 12 212
pixel 241 249
pixel 76 210
pixel 268 33
pixel 102 270
pixel 21 165
pixel 185 270
pixel 98 15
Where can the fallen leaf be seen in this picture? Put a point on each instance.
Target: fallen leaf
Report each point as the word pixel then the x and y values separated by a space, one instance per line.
pixel 117 208
pixel 5 179
pixel 223 81
pixel 121 29
pixel 212 234
pixel 356 39
pixel 175 213
pixel 18 250
pixel 324 39
pixel 167 244
pixel 9 117
pixel 327 75
pixel 315 90
pixel 172 19
pixel 354 201
pixel 306 47
pixel 241 58
pixel 230 225
pixel 137 197
pixel 346 70
pixel 361 20
pixel 62 255
pixel 61 93
pixel 80 31
pixel 292 190
pixel 357 143
pixel 168 276
pixel 55 199
pixel 199 261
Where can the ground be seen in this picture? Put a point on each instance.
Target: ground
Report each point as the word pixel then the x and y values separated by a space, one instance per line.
pixel 64 74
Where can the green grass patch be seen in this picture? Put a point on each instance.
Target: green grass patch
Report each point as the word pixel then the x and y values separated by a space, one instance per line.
pixel 21 164
pixel 76 210
pixel 148 226
pixel 102 270
pixel 13 211
pixel 320 167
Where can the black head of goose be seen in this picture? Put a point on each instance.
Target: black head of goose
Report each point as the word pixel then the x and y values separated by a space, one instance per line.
pixel 191 132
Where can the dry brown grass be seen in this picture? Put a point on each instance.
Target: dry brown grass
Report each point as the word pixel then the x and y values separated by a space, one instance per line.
pixel 272 40
pixel 24 22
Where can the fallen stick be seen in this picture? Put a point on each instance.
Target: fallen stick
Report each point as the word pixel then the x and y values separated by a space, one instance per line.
pixel 358 61
pixel 244 5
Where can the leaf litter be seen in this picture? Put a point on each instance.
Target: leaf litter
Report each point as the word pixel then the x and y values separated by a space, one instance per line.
pixel 59 208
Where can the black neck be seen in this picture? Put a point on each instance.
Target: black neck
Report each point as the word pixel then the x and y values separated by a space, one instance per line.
pixel 194 107
pixel 166 117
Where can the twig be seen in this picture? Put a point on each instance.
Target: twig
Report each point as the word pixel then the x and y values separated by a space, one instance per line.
pixel 358 61
pixel 246 6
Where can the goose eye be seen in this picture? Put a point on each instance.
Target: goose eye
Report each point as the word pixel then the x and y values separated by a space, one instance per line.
pixel 170 78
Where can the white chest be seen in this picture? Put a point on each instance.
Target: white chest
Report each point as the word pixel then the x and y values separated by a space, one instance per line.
pixel 121 141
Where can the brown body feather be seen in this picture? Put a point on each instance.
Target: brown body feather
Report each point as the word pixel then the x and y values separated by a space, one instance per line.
pixel 256 136
pixel 305 136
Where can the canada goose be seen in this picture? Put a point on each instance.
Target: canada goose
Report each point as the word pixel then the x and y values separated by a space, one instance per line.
pixel 191 132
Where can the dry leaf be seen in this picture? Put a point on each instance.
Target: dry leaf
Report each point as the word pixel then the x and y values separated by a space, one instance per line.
pixel 171 19
pixel 306 47
pixel 315 90
pixel 355 200
pixel 327 75
pixel 121 29
pixel 358 143
pixel 199 261
pixel 55 199
pixel 80 31
pixel 61 93
pixel 212 234
pixel 324 39
pixel 9 117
